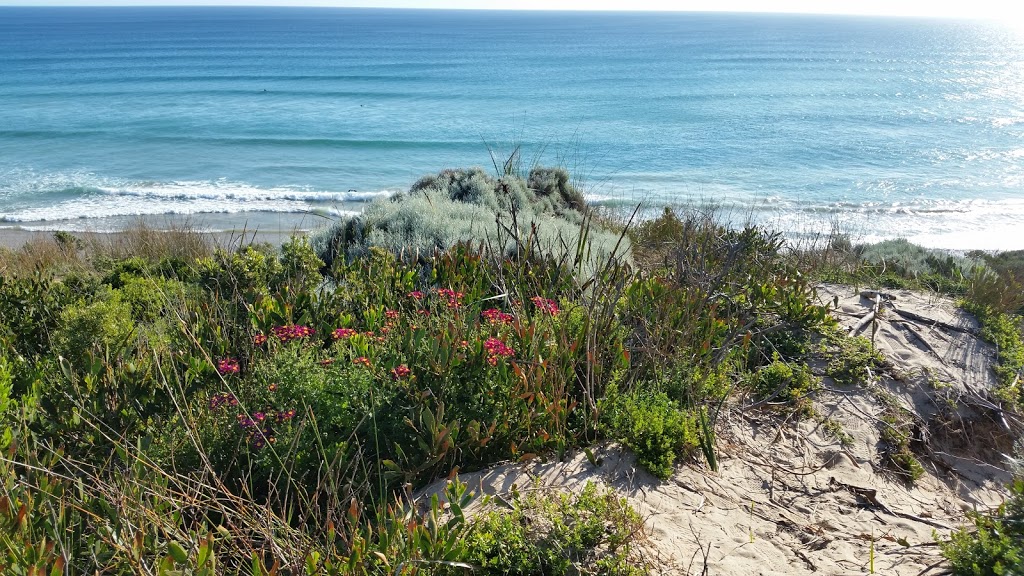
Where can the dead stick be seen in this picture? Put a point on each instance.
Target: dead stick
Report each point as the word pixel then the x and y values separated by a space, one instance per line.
pixel 867 318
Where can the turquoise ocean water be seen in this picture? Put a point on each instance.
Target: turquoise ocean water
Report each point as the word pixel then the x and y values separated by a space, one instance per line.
pixel 261 116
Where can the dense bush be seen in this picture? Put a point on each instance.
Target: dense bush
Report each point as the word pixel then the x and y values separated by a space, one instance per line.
pixel 784 383
pixel 593 532
pixel 995 545
pixel 851 360
pixel 541 213
pixel 1006 333
pixel 653 427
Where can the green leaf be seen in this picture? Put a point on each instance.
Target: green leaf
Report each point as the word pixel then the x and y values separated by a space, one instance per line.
pixel 177 552
pixel 204 553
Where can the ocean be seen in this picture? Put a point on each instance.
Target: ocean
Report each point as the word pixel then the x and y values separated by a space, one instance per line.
pixel 289 118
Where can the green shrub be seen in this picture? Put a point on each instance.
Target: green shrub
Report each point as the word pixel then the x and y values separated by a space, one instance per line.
pixel 653 427
pixel 902 264
pixel 896 425
pixel 995 546
pixel 31 309
pixel 1006 333
pixel 542 213
pixel 910 260
pixel 851 360
pixel 250 269
pixel 593 532
pixel 787 383
pixel 999 285
pixel 104 325
pixel 300 265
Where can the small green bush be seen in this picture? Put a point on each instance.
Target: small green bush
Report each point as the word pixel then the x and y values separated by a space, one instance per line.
pixel 909 259
pixel 850 359
pixel 1006 333
pixel 252 268
pixel 654 427
pixel 97 327
pixel 902 264
pixel 999 285
pixel 896 425
pixel 300 265
pixel 995 546
pixel 593 532
pixel 786 383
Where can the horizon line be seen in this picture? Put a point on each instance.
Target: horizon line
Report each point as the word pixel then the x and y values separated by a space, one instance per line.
pixel 297 5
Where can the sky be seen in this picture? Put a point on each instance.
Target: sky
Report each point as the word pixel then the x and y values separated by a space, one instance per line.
pixel 1003 10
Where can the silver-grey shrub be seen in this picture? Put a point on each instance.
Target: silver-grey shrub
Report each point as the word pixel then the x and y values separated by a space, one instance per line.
pixel 470 206
pixel 905 257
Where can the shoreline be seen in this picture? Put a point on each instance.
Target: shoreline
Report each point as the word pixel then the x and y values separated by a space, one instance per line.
pixel 221 229
pixel 15 239
pixel 226 232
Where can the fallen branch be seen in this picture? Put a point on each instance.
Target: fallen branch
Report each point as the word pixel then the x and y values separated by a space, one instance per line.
pixel 928 347
pixel 869 317
pixel 875 294
pixel 933 322
pixel 870 496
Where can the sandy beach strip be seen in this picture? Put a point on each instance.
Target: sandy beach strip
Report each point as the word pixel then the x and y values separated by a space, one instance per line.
pixel 15 238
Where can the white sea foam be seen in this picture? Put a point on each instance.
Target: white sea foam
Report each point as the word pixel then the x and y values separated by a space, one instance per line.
pixel 64 197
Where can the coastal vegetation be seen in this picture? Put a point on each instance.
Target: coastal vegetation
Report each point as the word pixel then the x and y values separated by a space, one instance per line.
pixel 173 407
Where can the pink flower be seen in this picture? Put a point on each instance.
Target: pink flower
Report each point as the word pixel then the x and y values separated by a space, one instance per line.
pixel 393 314
pixel 545 305
pixel 453 298
pixel 400 372
pixel 495 316
pixel 228 366
pixel 415 295
pixel 259 339
pixel 496 350
pixel 218 400
pixel 291 332
pixel 362 360
pixel 343 333
pixel 283 416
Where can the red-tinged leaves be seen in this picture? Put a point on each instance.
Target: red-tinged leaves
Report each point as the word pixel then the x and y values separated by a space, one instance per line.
pixel 353 512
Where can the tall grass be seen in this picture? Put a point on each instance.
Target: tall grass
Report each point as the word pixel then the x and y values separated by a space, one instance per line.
pixel 66 252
